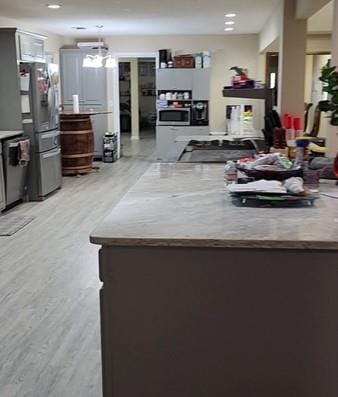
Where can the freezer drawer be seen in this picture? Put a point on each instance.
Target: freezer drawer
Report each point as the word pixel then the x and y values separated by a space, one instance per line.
pixel 47 141
pixel 50 171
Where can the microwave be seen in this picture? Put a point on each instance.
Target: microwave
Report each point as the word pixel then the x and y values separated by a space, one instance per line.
pixel 173 116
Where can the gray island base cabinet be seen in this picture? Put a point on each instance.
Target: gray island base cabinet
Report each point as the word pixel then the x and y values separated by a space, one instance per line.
pixel 198 322
pixel 203 298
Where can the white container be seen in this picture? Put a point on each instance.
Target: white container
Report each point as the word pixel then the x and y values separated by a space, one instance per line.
pixel 24 82
pixel 206 59
pixel 76 106
pixel 198 61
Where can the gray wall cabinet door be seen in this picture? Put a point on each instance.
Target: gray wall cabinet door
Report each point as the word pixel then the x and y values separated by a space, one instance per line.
pixel 165 141
pixel 100 127
pixel 71 64
pixel 89 83
pixel 174 79
pixel 201 84
pixel 94 86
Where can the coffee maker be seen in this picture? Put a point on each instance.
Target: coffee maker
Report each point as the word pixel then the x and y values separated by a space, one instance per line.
pixel 200 113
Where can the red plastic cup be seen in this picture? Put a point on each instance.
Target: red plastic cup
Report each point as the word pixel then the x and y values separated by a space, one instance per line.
pixel 287 121
pixel 297 124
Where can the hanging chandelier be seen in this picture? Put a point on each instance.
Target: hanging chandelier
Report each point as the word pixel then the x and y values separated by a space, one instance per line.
pixel 99 60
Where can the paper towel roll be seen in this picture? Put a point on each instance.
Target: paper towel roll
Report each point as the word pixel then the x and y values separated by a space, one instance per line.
pixel 76 107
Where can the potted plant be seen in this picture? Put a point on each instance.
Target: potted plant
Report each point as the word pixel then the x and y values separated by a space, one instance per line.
pixel 329 77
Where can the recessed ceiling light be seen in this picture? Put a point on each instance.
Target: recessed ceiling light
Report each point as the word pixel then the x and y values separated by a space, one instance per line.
pixel 79 28
pixel 54 6
pixel 230 15
pixel 228 29
pixel 230 23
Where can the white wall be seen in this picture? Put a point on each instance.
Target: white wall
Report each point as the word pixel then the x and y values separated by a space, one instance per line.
pixel 226 51
pixel 319 43
pixel 306 8
pixel 272 29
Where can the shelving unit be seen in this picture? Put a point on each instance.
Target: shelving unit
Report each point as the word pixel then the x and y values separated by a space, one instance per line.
pixel 125 97
pixel 265 94
pixel 147 93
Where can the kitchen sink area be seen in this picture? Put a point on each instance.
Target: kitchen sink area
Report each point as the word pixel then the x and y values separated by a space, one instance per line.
pixel 215 150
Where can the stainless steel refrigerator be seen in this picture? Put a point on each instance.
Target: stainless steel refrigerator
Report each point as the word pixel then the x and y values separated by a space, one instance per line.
pixel 39 106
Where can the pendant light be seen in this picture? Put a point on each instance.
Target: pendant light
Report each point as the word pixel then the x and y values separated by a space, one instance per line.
pixel 99 60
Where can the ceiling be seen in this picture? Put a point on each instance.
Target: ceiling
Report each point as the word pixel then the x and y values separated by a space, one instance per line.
pixel 322 21
pixel 140 17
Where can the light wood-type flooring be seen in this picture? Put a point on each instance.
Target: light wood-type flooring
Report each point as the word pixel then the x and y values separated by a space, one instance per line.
pixel 49 284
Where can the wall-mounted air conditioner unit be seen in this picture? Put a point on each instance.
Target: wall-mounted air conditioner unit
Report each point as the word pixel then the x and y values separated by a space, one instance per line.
pixel 92 44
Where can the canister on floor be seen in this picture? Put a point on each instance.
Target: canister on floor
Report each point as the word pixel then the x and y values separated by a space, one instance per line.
pixel 109 147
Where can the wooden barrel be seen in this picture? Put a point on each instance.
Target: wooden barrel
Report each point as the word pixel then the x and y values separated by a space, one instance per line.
pixel 77 143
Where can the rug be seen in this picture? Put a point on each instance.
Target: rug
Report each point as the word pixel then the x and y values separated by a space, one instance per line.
pixel 10 224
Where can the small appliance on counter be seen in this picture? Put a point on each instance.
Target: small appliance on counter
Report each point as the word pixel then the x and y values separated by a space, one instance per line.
pixel 200 113
pixel 165 58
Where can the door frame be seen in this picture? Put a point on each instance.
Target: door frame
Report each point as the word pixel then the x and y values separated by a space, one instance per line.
pixel 116 85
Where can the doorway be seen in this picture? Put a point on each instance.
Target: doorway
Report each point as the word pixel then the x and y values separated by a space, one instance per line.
pixel 137 94
pixel 134 86
pixel 272 72
pixel 147 96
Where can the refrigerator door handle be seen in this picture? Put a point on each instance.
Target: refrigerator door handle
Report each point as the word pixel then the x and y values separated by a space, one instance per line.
pixel 54 153
pixel 47 136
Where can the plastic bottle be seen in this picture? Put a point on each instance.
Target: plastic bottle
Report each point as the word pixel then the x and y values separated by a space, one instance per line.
pixel 287 124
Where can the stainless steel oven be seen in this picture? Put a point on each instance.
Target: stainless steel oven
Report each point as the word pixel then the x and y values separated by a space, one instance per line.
pixel 173 116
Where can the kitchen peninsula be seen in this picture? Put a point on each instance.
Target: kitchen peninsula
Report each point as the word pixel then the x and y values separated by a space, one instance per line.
pixel 203 298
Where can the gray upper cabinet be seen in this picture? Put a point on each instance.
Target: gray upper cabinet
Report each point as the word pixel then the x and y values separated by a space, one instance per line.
pixel 89 83
pixel 70 76
pixel 195 80
pixel 201 84
pixel 31 47
pixel 94 86
pixel 91 86
pixel 174 79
